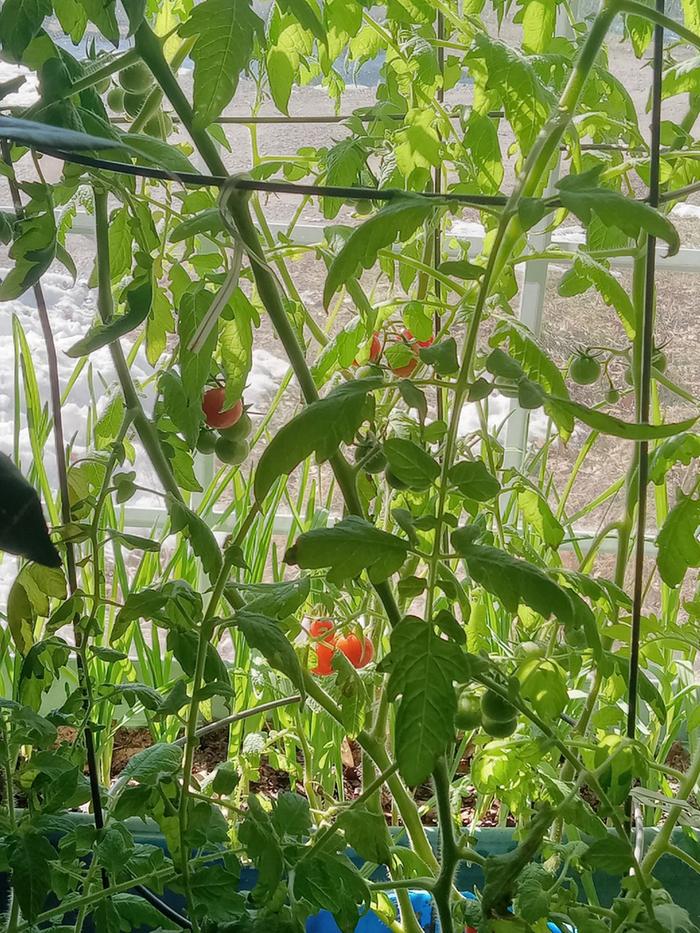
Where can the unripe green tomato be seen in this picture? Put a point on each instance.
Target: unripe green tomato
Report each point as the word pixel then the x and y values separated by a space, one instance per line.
pixel 496 708
pixel 584 369
pixel 612 395
pixel 468 715
pixel 229 451
pixel 240 430
pixel 206 442
pixel 529 649
pixel 375 462
pixel 543 684
pixel 364 372
pixel 497 728
pixel 393 480
pixel 115 100
pixel 133 103
pixel 137 78
pixel 103 86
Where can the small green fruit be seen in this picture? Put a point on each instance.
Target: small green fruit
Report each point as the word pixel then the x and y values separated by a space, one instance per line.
pixel 495 708
pixel 238 431
pixel 375 462
pixel 206 442
pixel 137 78
pixel 229 451
pixel 115 100
pixel 612 396
pixel 468 715
pixel 498 729
pixel 584 369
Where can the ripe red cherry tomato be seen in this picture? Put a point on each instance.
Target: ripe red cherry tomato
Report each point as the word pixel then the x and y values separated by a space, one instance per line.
pixel 404 371
pixel 215 415
pixel 320 628
pixel 359 653
pixel 324 659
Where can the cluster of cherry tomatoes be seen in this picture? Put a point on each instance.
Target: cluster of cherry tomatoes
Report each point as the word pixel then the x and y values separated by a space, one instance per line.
pixel 376 349
pixel 227 430
pixel 358 651
pixel 490 712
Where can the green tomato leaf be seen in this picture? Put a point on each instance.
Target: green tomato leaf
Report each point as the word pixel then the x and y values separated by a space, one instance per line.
pixel 399 220
pixel 677 542
pixel 29 133
pixel 473 480
pixel 104 15
pixel 581 195
pixel 586 272
pixel 684 448
pixel 151 151
pixel 422 669
pixel 348 548
pixel 319 429
pixel 441 356
pixel 207 221
pixel 262 845
pixel 201 537
pixel 153 764
pixel 266 637
pixel 612 855
pixel 277 600
pixel 537 513
pixel 365 832
pixel 137 296
pixel 607 424
pixel 307 14
pixel 33 250
pixel 329 882
pixel 30 859
pixel 410 463
pixel 20 21
pixel 512 580
pixel 225 33
pixel 291 815
pixel 236 345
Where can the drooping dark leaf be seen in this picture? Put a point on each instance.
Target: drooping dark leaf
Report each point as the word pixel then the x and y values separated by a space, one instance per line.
pixel 268 638
pixel 365 831
pixel 291 815
pixel 607 424
pixel 30 133
pixel 137 296
pixel 441 356
pixel 582 195
pixel 201 537
pixel 398 220
pixel 611 854
pixel 348 548
pixel 277 600
pixel 33 250
pixel 319 428
pixel 512 580
pixel 410 463
pixel 262 845
pixel 23 529
pixel 103 14
pixel 153 764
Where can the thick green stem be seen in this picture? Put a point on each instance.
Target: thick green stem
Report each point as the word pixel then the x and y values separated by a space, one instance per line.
pixel 105 306
pixel 150 48
pixel 374 747
pixel 660 845
pixel 449 851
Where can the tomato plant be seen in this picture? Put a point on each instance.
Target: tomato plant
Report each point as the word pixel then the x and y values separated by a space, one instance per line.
pixel 489 631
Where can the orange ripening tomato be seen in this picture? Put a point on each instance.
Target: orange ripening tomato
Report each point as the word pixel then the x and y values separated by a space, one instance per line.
pixel 404 371
pixel 324 659
pixel 375 348
pixel 215 415
pixel 358 652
